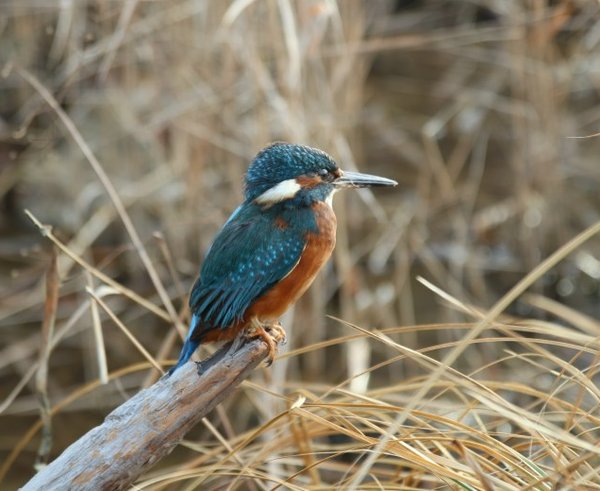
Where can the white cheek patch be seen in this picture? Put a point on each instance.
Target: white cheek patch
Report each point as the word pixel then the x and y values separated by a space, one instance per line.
pixel 280 192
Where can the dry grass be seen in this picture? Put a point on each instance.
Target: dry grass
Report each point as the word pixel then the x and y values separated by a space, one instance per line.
pixel 128 126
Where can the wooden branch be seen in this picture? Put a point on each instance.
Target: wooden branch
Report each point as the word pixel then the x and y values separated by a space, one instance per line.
pixel 147 427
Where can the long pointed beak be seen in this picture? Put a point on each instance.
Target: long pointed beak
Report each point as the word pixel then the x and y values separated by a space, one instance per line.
pixel 359 180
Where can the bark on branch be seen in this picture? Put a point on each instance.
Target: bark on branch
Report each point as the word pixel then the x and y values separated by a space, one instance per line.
pixel 147 427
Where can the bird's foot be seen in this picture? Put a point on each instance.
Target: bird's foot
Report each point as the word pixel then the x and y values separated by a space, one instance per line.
pixel 271 334
pixel 277 332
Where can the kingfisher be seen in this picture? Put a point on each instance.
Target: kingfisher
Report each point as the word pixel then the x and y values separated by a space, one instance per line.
pixel 271 248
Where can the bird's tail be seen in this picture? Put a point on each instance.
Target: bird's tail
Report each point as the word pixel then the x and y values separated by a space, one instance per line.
pixel 189 346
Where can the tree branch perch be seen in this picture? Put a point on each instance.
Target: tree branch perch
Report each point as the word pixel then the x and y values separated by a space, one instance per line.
pixel 147 427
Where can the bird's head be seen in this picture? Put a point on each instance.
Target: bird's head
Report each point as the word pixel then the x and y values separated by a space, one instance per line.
pixel 283 171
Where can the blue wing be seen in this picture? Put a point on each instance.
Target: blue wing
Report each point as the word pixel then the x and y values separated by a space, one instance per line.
pixel 248 256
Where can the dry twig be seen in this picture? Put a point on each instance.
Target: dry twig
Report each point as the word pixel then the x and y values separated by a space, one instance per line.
pixel 141 431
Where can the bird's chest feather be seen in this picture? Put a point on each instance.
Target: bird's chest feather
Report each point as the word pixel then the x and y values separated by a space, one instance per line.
pixel 320 241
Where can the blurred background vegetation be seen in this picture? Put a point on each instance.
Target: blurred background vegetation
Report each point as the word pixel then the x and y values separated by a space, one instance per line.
pixel 472 106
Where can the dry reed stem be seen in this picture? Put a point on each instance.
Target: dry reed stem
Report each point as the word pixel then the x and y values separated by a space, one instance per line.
pixel 41 378
pixel 46 231
pixel 174 102
pixel 451 357
pixel 98 336
pixel 125 331
pixel 104 179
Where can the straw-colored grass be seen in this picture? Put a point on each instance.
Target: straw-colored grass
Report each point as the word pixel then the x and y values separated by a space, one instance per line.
pixel 451 343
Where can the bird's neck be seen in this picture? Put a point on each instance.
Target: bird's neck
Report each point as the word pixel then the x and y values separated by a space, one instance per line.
pixel 300 217
pixel 307 198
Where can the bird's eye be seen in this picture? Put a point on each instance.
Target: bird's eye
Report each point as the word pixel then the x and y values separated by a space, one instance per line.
pixel 326 175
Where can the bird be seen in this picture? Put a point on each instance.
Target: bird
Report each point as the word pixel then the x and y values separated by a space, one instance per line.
pixel 271 248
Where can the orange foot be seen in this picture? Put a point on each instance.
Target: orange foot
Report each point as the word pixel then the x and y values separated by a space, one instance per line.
pixel 277 332
pixel 271 334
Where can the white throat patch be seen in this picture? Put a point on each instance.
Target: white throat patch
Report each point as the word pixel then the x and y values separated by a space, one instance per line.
pixel 329 199
pixel 280 192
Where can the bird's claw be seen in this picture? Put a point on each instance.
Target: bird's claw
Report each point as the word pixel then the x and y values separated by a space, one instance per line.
pixel 272 335
pixel 277 332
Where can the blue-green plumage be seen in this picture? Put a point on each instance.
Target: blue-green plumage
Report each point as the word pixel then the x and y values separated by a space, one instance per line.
pixel 265 238
pixel 282 161
pixel 248 256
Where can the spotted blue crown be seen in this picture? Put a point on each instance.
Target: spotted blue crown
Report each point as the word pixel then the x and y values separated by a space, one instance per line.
pixel 280 162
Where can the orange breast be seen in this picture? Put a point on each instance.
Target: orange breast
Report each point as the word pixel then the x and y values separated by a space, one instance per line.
pixel 318 249
pixel 278 299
